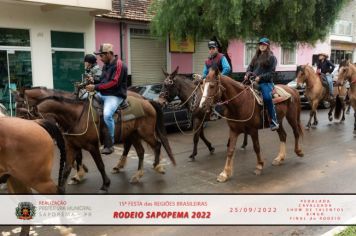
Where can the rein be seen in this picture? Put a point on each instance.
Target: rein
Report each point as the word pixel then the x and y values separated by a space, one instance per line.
pixel 229 100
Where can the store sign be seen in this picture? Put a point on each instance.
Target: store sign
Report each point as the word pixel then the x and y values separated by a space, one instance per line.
pixel 187 45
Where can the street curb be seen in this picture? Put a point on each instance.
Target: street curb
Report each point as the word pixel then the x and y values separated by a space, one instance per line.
pixel 338 229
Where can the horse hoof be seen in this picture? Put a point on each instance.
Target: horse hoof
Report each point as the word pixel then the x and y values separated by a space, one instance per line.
pixel 191 158
pixel 299 153
pixel 277 162
pixel 330 118
pixel 212 150
pixel 315 123
pixel 222 177
pixel 134 180
pixel 74 181
pixel 115 170
pixel 103 191
pixel 160 169
pixel 243 148
pixel 307 127
pixel 258 172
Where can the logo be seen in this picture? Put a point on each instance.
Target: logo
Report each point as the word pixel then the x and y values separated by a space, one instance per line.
pixel 25 211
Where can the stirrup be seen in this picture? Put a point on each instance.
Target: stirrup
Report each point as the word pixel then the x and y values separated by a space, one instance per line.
pixel 274 125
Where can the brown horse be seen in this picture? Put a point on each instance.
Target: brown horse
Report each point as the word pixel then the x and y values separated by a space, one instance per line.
pixel 347 72
pixel 315 92
pixel 243 114
pixel 190 93
pixel 82 131
pixel 26 162
pixel 26 99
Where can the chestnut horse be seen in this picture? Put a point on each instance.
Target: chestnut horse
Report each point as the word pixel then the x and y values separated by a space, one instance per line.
pixel 77 119
pixel 26 99
pixel 347 72
pixel 26 162
pixel 315 92
pixel 190 93
pixel 243 114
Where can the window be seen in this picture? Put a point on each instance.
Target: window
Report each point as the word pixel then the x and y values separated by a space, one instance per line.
pixel 67 40
pixel 342 27
pixel 14 37
pixel 338 55
pixel 67 59
pixel 288 55
pixel 250 50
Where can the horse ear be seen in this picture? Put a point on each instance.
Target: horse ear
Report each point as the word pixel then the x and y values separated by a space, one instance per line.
pixel 165 73
pixel 174 73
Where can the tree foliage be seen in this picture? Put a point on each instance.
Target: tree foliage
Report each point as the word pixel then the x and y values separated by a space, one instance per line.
pixel 283 21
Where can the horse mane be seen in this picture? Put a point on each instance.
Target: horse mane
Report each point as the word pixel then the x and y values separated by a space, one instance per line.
pixel 234 83
pixel 61 99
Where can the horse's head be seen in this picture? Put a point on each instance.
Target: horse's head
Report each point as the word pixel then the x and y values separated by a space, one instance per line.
pixel 346 72
pixel 300 75
pixel 212 89
pixel 169 89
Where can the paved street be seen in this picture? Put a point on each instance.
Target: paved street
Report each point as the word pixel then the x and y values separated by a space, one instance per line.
pixel 327 167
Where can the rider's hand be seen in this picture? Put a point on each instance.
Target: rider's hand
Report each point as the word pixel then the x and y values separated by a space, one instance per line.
pixel 257 79
pixel 90 87
pixel 245 77
pixel 90 79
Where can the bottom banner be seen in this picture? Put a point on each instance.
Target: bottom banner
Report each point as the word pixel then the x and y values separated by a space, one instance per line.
pixel 177 209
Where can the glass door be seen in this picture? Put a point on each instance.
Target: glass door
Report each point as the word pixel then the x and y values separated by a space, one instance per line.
pixel 15 73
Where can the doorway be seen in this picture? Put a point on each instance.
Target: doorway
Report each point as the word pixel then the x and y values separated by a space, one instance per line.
pixel 15 73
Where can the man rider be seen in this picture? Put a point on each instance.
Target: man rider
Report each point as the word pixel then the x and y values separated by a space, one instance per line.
pixel 216 58
pixel 326 67
pixel 112 88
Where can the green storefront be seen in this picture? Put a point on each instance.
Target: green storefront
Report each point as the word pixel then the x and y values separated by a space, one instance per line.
pixel 67 59
pixel 15 64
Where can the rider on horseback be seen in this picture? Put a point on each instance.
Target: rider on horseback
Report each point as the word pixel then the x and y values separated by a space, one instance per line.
pixel 112 88
pixel 263 65
pixel 216 58
pixel 326 67
pixel 92 69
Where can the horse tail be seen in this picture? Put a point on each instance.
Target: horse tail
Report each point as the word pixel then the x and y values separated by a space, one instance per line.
pixel 338 107
pixel 56 134
pixel 161 131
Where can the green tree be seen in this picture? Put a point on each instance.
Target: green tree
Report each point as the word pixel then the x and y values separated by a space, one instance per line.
pixel 283 21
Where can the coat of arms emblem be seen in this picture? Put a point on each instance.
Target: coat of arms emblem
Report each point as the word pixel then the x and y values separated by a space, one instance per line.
pixel 25 211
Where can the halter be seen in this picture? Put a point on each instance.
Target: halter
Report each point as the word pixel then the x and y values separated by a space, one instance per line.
pixel 229 100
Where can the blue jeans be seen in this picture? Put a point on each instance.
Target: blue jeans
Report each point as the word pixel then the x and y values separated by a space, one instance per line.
pixel 329 78
pixel 266 89
pixel 111 103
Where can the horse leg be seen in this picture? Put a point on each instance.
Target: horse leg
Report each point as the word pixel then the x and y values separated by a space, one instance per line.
pixel 122 162
pixel 297 131
pixel 15 186
pixel 140 153
pixel 332 106
pixel 196 126
pixel 282 147
pixel 311 114
pixel 256 147
pixel 156 147
pixel 46 186
pixel 95 153
pixel 355 123
pixel 244 144
pixel 207 143
pixel 228 169
pixel 81 168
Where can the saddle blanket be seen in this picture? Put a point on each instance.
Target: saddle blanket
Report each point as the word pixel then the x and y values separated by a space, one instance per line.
pixel 278 94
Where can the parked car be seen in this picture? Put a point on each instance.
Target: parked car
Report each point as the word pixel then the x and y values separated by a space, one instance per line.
pixel 303 99
pixel 151 92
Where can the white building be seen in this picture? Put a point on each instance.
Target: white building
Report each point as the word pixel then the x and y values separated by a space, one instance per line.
pixel 43 42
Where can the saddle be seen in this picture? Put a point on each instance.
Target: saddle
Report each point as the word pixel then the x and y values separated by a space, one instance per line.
pixel 129 109
pixel 278 95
